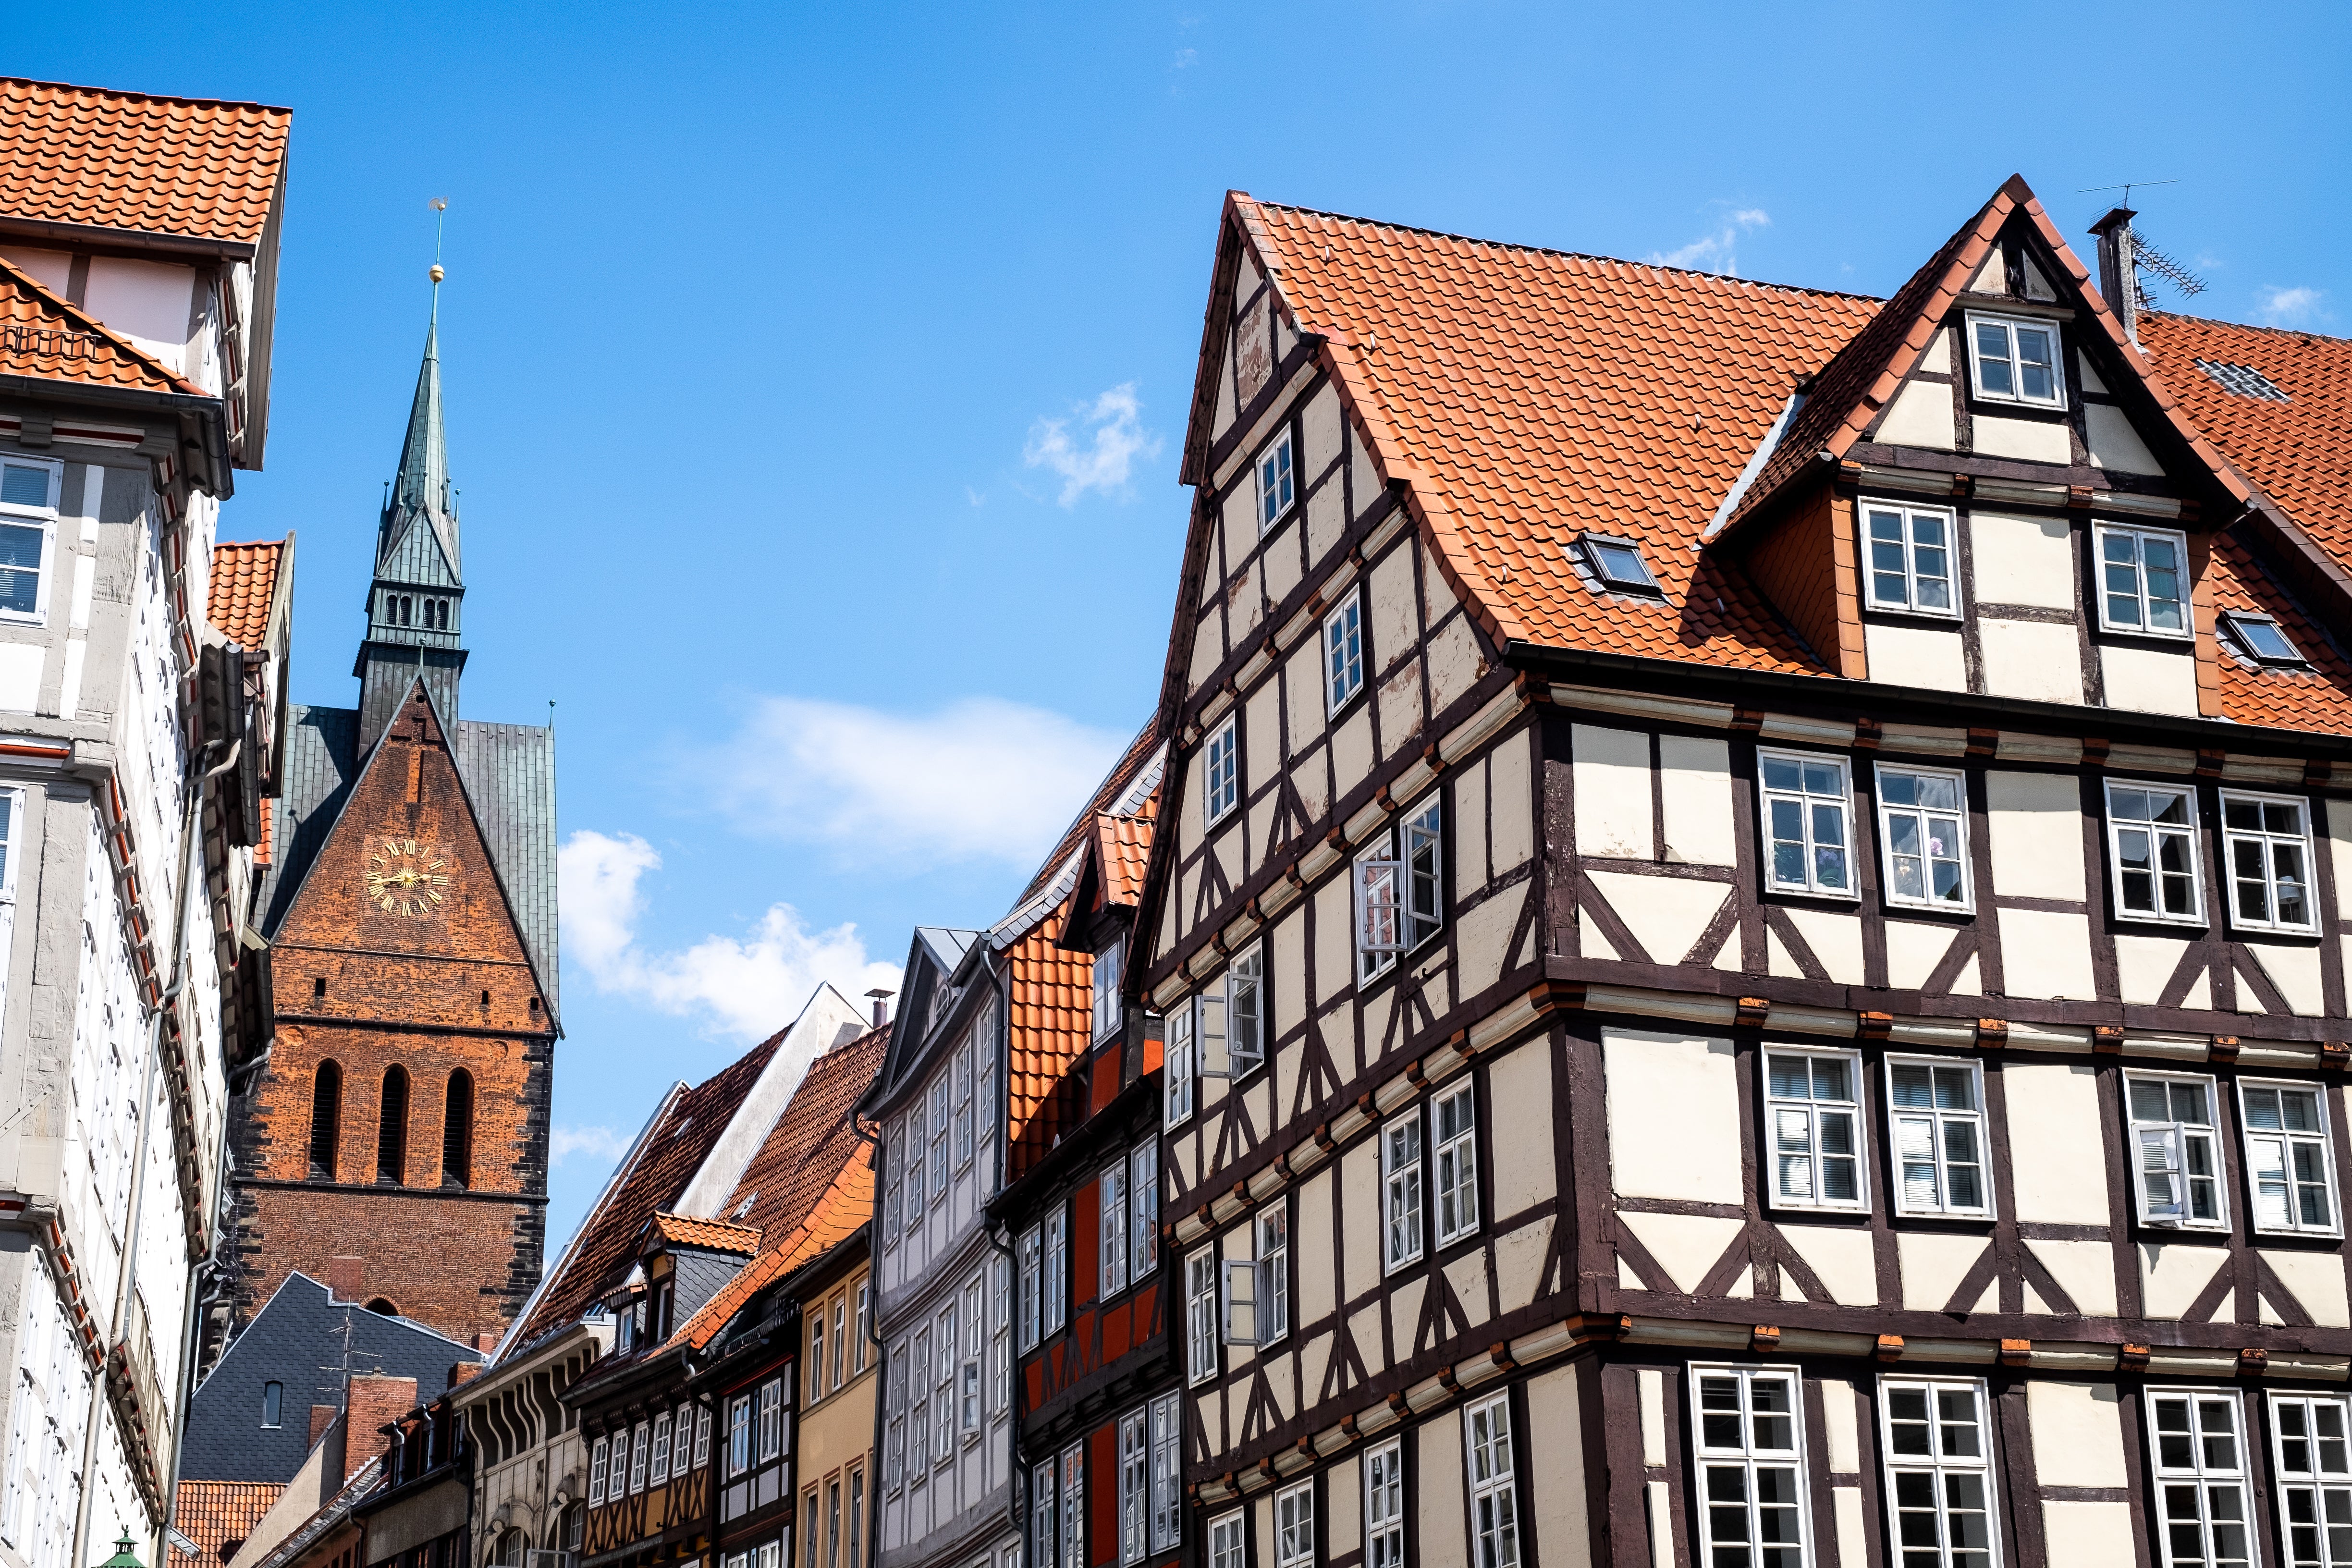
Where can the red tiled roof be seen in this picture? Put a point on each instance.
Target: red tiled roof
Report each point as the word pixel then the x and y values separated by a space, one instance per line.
pixel 45 338
pixel 840 1209
pixel 244 582
pixel 1123 852
pixel 1122 774
pixel 269 830
pixel 1051 1026
pixel 217 1516
pixel 708 1234
pixel 201 168
pixel 811 1141
pixel 2317 699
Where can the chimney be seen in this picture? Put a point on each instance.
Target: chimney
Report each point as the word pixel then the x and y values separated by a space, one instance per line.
pixel 881 998
pixel 346 1277
pixel 464 1372
pixel 485 1342
pixel 320 1416
pixel 375 1403
pixel 2118 272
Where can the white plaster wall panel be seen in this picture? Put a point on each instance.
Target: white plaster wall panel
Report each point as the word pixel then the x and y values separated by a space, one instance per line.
pixel 1933 1266
pixel 1650 1399
pixel 1257 832
pixel 1592 941
pixel 2149 679
pixel 1314 1362
pixel 2316 1279
pixel 1482 936
pixel 1853 1521
pixel 2087 374
pixel 1694 791
pixel 1936 360
pixel 1518 1263
pixel 1208 644
pixel 1685 1245
pixel 1845 1257
pixel 2339 845
pixel 1282 1377
pixel 1375 1010
pixel 1392 619
pixel 2030 440
pixel 1281 562
pixel 53 270
pixel 1922 416
pixel 1455 663
pixel 1310 775
pixel 1302 674
pixel 1835 938
pixel 1437 595
pixel 1512 801
pixel 2023 560
pixel 1555 1451
pixel 2295 972
pixel 1611 769
pixel 2083 1270
pixel 2056 1148
pixel 2088 1534
pixel 2143 965
pixel 2173 1273
pixel 1967 984
pixel 1776 958
pixel 2078 1433
pixel 1364 471
pixel 1906 654
pixel 1466 1277
pixel 1913 951
pixel 1992 277
pixel 1519 1088
pixel 147 301
pixel 1226 846
pixel 1244 602
pixel 1359 1220
pixel 1318 426
pixel 1287 948
pixel 1262 747
pixel 1352 748
pixel 1400 697
pixel 1404 1313
pixel 1681 1082
pixel 20 676
pixel 2046 954
pixel 2114 443
pixel 1665 914
pixel 1470 863
pixel 1327 520
pixel 2040 661
pixel 1343 1528
pixel 2036 823
pixel 2037 287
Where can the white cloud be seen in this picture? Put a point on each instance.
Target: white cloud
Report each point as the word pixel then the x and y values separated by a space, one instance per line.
pixel 978 780
pixel 1718 251
pixel 600 1143
pixel 1112 437
pixel 2288 307
pixel 749 985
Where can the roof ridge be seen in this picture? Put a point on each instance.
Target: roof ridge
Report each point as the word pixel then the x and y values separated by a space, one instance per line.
pixel 42 292
pixel 132 93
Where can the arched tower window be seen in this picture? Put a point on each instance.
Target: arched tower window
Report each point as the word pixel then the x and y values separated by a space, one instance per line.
pixel 457 1131
pixel 326 1119
pixel 392 1131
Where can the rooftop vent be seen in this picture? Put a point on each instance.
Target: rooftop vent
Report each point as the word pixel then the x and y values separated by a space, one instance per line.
pixel 2242 379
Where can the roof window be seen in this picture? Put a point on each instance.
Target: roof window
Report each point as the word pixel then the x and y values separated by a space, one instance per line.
pixel 2261 638
pixel 2242 379
pixel 1619 564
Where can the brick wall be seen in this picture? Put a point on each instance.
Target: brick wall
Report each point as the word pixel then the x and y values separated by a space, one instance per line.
pixel 375 1401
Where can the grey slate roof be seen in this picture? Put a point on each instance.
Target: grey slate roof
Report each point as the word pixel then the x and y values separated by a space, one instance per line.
pixel 299 1339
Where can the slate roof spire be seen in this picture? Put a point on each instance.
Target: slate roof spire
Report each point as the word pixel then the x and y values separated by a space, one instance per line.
pixel 421 490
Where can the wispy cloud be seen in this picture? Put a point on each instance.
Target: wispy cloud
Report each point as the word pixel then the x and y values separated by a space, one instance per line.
pixel 601 1144
pixel 747 986
pixel 978 780
pixel 1718 251
pixel 2288 307
pixel 1185 59
pixel 1109 437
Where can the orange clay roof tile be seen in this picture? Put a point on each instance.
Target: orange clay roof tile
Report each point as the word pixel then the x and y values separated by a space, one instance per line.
pixel 1123 850
pixel 197 168
pixel 708 1234
pixel 218 1516
pixel 244 582
pixel 812 1140
pixel 1051 1026
pixel 45 338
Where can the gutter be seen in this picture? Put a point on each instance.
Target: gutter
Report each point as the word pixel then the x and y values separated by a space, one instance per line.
pixel 82 235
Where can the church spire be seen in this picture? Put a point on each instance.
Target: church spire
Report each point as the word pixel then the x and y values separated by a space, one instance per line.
pixel 421 492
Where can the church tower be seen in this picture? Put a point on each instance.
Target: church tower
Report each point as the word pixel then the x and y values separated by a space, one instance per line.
pixel 396 1148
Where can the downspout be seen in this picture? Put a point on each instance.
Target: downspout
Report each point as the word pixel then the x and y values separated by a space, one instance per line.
pixel 874 1337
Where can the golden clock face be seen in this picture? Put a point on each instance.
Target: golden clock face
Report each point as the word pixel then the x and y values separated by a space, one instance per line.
pixel 405 877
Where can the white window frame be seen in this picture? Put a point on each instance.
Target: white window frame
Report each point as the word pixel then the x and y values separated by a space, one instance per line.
pixel 1453 1163
pixel 1343 654
pixel 1143 1200
pixel 1776 1107
pixel 943 1384
pixel 1274 480
pixel 1073 1506
pixel 701 1435
pixel 2178 1137
pixel 1384 1509
pixel 1293 1526
pixel 1108 968
pixel 2240 625
pixel 2139 535
pixel 1807 804
pixel 1888 883
pixel 2207 1482
pixel 640 1444
pixel 1270 1230
pixel 1134 1486
pixel 815 1360
pixel 1907 516
pixel 963 1139
pixel 1179 1065
pixel 1044 1513
pixel 1245 1014
pixel 1032 1286
pixel 1057 1268
pixel 1237 1301
pixel 1226 1537
pixel 2267 841
pixel 1399 887
pixel 975 1340
pixel 1200 1316
pixel 1746 1456
pixel 1000 1338
pixel 2304 1488
pixel 45 518
pixel 773 1439
pixel 1111 1189
pixel 917 1152
pixel 2157 832
pixel 940 1090
pixel 1940 1123
pixel 2016 361
pixel 738 1434
pixel 2319 1139
pixel 598 1457
pixel 660 1473
pixel 1167 1462
pixel 1597 550
pixel 1942 1470
pixel 1493 1470
pixel 894 1473
pixel 1221 772
pixel 1402 1200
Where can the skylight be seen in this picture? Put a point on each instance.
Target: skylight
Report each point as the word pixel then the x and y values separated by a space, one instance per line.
pixel 2242 379
pixel 1618 564
pixel 2261 638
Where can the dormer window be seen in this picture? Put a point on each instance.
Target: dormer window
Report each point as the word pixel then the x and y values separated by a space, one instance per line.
pixel 1618 564
pixel 1910 557
pixel 1275 484
pixel 28 532
pixel 2262 640
pixel 2014 359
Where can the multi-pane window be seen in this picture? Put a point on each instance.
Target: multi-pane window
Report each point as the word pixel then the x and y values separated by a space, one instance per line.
pixel 1401 1190
pixel 817 1355
pixel 895 1453
pixel 862 1332
pixel 597 1458
pixel 1273 1273
pixel 2204 1496
pixel 1134 1486
pixel 1454 1134
pixel 2266 845
pixel 1807 832
pixel 771 1419
pixel 1073 1508
pixel 1106 981
pixel 1167 1435
pixel 1143 1202
pixel 2014 359
pixel 968 1373
pixel 1240 1302
pixel 1922 828
pixel 894 1196
pixel 939 1125
pixel 1938 1472
pixel 1343 653
pixel 1057 1267
pixel 2309 1442
pixel 1293 1526
pixel 1384 1506
pixel 1043 1511
pixel 1221 772
pixel 943 1422
pixel 661 1449
pixel 1910 557
pixel 1811 1103
pixel 1935 1115
pixel 1000 1337
pixel 919 1409
pixel 2175 1151
pixel 1033 1285
pixel 1225 1541
pixel 701 1435
pixel 28 527
pixel 1200 1316
pixel 2288 1165
pixel 2152 838
pixel 1112 1186
pixel 840 1327
pixel 1275 485
pixel 2142 580
pixel 1399 889
pixel 963 1106
pixel 1749 1449
pixel 1244 1018
pixel 1179 1065
pixel 1494 1502
pixel 914 1166
pixel 639 1449
pixel 738 1435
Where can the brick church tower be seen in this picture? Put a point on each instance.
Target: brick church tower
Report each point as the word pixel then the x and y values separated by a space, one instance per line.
pixel 396 1148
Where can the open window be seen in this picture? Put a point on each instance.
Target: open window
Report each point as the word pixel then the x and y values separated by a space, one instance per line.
pixel 1399 889
pixel 2175 1151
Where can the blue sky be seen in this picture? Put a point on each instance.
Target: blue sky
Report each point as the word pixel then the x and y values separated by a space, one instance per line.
pixel 815 374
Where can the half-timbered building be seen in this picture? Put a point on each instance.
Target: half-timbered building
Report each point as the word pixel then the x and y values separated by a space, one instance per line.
pixel 1746 909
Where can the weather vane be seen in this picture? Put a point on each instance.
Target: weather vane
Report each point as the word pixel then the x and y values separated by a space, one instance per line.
pixel 440 205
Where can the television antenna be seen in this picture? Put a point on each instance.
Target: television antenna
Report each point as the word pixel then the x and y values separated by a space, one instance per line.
pixel 2125 189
